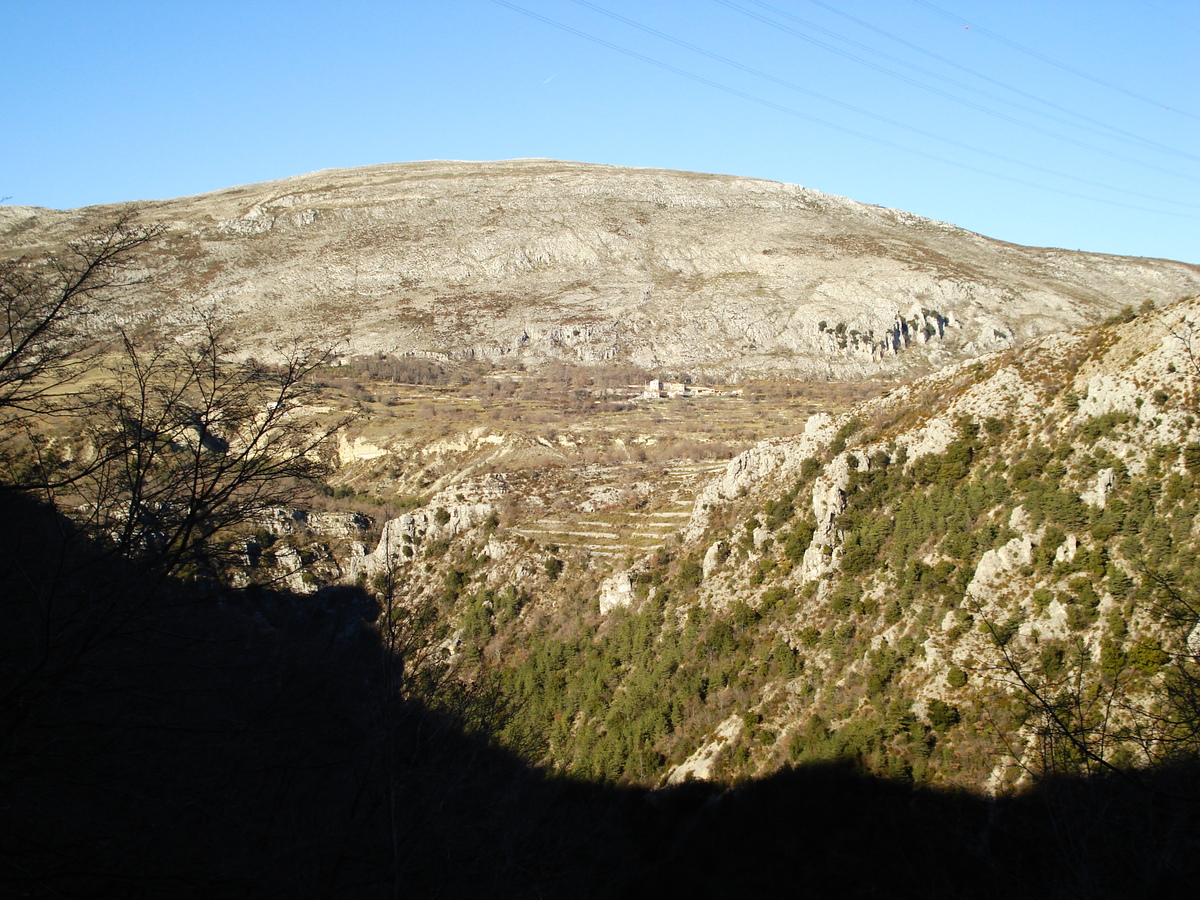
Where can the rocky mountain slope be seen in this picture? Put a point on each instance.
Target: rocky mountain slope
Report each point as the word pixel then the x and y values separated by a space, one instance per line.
pixel 982 574
pixel 975 579
pixel 972 566
pixel 524 261
pixel 896 583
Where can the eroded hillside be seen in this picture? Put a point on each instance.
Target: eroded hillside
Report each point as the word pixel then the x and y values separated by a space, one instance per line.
pixel 520 609
pixel 937 583
pixel 529 261
pixel 913 582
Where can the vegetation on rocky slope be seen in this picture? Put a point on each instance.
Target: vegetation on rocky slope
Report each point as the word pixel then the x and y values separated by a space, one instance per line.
pixel 1014 599
pixel 951 628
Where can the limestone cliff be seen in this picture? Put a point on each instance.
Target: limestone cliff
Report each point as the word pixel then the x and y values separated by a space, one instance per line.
pixel 532 260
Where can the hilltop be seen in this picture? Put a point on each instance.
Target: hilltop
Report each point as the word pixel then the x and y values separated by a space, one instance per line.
pixel 472 609
pixel 523 262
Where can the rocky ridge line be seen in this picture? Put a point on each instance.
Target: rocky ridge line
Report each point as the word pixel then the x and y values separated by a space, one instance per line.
pixel 529 261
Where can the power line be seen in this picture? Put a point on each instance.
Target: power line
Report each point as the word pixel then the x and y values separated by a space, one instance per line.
pixel 1170 15
pixel 810 118
pixel 852 108
pixel 983 109
pixel 1099 126
pixel 1051 61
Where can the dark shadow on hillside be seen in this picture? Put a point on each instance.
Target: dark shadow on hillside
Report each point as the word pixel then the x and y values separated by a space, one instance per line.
pixel 164 741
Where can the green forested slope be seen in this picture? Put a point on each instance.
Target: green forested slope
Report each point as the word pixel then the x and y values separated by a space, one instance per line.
pixel 1007 589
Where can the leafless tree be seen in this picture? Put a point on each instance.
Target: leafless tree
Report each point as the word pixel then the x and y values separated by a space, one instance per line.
pixel 44 303
pixel 188 443
pixel 168 448
pixel 170 445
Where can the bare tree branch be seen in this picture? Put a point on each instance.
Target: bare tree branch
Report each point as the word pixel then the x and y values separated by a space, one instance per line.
pixel 191 444
pixel 42 307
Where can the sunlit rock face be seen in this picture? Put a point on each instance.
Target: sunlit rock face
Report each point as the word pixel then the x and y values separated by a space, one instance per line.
pixel 529 261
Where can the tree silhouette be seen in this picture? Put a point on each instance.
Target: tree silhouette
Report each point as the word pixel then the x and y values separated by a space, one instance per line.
pixel 188 444
pixel 44 306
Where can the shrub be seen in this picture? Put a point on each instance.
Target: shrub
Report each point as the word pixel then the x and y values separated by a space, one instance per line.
pixel 798 541
pixel 1079 617
pixel 843 436
pixel 1041 599
pixel 843 601
pixel 775 596
pixel 436 549
pixel 857 560
pixel 744 616
pixel 1191 458
pixel 690 573
pixel 1002 632
pixel 1103 426
pixel 942 715
pixel 1043 556
pixel 778 512
pixel 1119 583
pixel 1052 658
pixel 1148 656
pixel 1112 658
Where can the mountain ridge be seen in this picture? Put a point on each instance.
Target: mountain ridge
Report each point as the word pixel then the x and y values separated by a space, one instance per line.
pixel 525 262
pixel 925 622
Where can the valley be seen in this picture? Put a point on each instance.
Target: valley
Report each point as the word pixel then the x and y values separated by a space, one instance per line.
pixel 591 498
pixel 717 588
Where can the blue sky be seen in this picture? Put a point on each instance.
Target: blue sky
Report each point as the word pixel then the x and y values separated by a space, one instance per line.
pixel 1063 124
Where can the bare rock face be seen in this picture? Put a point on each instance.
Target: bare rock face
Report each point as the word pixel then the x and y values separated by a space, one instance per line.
pixel 778 459
pixel 616 592
pixel 536 260
pixel 995 565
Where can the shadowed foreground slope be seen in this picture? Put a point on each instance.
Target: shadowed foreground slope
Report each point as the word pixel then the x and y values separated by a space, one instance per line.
pixel 159 740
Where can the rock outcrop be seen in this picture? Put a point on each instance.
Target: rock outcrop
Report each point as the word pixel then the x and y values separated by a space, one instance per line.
pixel 527 261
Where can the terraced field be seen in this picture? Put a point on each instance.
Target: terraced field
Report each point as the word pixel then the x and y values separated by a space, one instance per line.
pixel 602 483
pixel 664 496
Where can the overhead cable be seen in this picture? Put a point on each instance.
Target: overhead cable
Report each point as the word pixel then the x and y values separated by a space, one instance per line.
pixel 1051 61
pixel 831 125
pixel 978 107
pixel 1094 126
pixel 878 117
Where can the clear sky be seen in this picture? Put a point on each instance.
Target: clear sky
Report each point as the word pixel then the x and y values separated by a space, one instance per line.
pixel 1064 123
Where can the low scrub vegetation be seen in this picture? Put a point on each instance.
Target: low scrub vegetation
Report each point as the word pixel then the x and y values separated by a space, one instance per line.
pixel 1013 610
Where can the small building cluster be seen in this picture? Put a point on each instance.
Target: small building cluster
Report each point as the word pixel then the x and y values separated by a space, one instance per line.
pixel 657 389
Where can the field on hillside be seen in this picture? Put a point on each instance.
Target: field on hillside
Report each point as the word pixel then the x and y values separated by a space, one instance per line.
pixel 588 462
